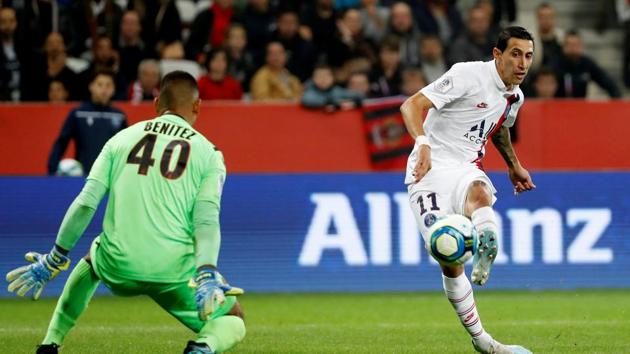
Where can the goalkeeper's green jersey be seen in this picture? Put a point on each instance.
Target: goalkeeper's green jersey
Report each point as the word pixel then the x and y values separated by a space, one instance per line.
pixel 155 171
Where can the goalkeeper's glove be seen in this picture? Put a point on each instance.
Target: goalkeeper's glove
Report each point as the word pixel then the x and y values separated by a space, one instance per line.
pixel 34 276
pixel 211 289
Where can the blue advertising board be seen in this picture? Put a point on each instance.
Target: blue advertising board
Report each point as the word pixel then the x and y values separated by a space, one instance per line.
pixel 355 232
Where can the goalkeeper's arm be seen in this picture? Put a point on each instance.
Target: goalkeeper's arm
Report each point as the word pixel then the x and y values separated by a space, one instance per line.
pixel 211 287
pixel 207 233
pixel 47 266
pixel 79 215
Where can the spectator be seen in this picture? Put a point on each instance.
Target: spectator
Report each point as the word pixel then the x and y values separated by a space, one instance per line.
pixel 300 51
pixel 147 86
pixel 131 48
pixel 105 58
pixel 577 69
pixel 38 18
pixel 57 92
pixel 273 81
pixel 92 19
pixel 623 12
pixel 438 17
pixel 160 22
pixel 385 79
pixel 432 57
pixel 359 82
pixel 402 27
pixel 412 81
pixel 174 50
pixel 343 72
pixel 11 57
pixel 259 21
pixel 52 66
pixel 545 83
pixel 321 92
pixel 217 84
pixel 548 41
pixel 477 42
pixel 349 42
pixel 501 8
pixel 320 19
pixel 241 62
pixel 208 30
pixel 90 125
pixel 374 18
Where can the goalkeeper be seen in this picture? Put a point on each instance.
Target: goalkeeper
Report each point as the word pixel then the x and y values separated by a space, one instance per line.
pixel 161 233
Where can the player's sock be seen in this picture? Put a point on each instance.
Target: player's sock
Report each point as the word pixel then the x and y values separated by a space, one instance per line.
pixel 75 297
pixel 485 220
pixel 460 294
pixel 222 333
pixel 486 224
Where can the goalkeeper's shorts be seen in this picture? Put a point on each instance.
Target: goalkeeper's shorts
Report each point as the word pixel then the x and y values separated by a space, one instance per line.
pixel 178 299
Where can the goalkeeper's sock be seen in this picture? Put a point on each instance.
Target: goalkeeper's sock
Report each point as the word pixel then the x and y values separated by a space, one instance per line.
pixel 76 295
pixel 460 294
pixel 222 333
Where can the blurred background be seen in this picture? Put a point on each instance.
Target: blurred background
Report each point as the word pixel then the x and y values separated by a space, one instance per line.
pixel 302 97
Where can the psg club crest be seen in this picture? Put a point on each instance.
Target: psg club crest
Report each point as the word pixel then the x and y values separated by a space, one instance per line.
pixel 430 219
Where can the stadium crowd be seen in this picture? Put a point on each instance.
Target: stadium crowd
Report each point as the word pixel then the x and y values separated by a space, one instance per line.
pixel 268 50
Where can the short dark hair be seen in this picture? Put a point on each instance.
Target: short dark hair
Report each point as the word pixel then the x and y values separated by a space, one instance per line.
pixel 512 32
pixel 178 88
pixel 545 71
pixel 391 43
pixel 103 72
pixel 213 53
pixel 572 32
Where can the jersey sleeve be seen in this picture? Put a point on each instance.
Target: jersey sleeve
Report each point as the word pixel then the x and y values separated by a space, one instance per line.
pixel 212 183
pixel 101 169
pixel 511 118
pixel 452 85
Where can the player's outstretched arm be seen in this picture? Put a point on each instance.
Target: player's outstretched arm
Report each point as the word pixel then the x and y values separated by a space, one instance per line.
pixel 519 176
pixel 47 266
pixel 413 110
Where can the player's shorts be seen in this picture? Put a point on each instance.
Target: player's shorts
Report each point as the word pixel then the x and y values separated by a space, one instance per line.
pixel 443 191
pixel 178 299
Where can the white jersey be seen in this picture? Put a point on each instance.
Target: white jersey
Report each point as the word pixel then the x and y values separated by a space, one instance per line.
pixel 471 103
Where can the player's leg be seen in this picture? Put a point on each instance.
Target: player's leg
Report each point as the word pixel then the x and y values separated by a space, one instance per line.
pixel 478 207
pixel 74 299
pixel 457 287
pixel 222 331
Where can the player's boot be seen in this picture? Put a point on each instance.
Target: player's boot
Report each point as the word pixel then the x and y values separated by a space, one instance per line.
pixel 47 349
pixel 494 347
pixel 486 254
pixel 197 348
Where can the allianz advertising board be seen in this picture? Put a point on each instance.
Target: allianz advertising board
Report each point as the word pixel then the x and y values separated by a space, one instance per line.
pixel 356 232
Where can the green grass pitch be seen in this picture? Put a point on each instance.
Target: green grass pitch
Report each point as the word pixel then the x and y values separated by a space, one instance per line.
pixel 584 321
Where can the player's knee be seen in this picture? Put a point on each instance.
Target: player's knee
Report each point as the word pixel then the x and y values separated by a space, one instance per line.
pixel 237 311
pixel 478 196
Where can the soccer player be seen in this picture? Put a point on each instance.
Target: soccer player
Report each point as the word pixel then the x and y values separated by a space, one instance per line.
pixel 90 125
pixel 161 228
pixel 470 104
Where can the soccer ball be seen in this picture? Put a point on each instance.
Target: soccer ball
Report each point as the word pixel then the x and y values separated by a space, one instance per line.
pixel 69 167
pixel 452 240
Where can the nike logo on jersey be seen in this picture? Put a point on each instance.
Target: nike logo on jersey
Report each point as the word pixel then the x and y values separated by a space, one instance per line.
pixel 482 105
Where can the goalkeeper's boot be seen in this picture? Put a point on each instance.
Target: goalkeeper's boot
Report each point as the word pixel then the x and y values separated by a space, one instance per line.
pixel 47 349
pixel 484 257
pixel 494 347
pixel 197 348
